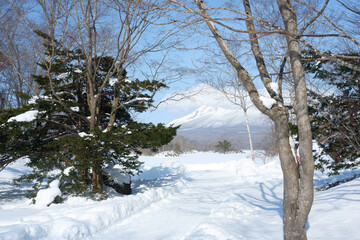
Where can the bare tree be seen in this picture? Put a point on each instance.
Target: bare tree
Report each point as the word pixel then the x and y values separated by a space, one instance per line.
pixel 236 94
pixel 18 58
pixel 295 23
pixel 298 176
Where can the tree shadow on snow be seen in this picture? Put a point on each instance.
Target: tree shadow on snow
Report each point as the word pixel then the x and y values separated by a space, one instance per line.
pixel 268 201
pixel 12 192
pixel 154 178
pixel 141 185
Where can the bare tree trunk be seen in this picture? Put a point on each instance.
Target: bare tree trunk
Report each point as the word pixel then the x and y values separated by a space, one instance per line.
pixel 249 134
pixel 290 175
pixel 298 185
pixel 304 191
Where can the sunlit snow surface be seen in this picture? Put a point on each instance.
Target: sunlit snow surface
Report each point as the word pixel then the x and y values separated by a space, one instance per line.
pixel 25 117
pixel 194 196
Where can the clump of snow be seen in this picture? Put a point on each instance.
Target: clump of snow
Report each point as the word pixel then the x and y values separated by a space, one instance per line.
pixel 67 170
pixel 62 76
pixel 267 101
pixel 275 87
pixel 78 70
pixel 33 99
pixel 25 117
pixel 113 81
pixel 84 134
pixel 75 109
pixel 139 99
pixel 46 196
pixel 143 99
pixel 54 173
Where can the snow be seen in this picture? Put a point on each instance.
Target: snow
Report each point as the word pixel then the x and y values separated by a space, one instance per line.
pixel 84 134
pixel 139 99
pixel 117 174
pixel 33 99
pixel 213 117
pixel 67 170
pixel 113 81
pixel 75 109
pixel 193 196
pixel 204 94
pixel 63 76
pixel 275 87
pixel 142 99
pixel 46 196
pixel 267 101
pixel 25 117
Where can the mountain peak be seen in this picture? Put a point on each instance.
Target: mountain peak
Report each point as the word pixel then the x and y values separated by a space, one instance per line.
pixel 209 117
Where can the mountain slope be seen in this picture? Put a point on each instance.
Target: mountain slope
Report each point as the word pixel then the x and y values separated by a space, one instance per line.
pixel 210 124
pixel 209 117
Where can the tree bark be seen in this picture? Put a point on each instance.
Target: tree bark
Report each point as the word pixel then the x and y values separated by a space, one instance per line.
pixel 305 189
pixel 298 178
pixel 97 180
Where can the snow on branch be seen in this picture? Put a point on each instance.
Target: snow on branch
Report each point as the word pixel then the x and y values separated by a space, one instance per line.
pixel 25 117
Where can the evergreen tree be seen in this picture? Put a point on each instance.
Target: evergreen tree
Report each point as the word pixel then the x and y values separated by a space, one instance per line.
pixel 336 117
pixel 223 146
pixel 82 123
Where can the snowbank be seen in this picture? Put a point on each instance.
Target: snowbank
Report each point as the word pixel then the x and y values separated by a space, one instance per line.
pixel 80 218
pixel 192 196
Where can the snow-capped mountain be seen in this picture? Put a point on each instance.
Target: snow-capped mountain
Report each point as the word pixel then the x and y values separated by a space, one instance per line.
pixel 209 117
pixel 216 117
pixel 210 124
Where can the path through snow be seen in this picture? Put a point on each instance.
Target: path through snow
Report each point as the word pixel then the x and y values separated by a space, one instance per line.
pixel 233 200
pixel 195 196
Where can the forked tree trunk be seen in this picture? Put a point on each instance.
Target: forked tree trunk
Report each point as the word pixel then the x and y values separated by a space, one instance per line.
pixel 298 177
pixel 291 175
pixel 305 188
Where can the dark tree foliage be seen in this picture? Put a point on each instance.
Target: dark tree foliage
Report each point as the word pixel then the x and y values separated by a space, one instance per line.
pixel 336 116
pixel 223 146
pixel 60 137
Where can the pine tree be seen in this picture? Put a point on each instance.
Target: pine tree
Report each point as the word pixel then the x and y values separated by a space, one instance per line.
pixel 223 146
pixel 82 123
pixel 336 117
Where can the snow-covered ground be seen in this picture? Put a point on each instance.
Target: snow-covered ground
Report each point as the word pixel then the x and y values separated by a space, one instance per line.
pixel 194 196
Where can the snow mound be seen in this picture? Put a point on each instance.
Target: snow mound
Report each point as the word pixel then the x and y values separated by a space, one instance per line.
pixel 246 168
pixel 46 196
pixel 210 231
pixel 81 218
